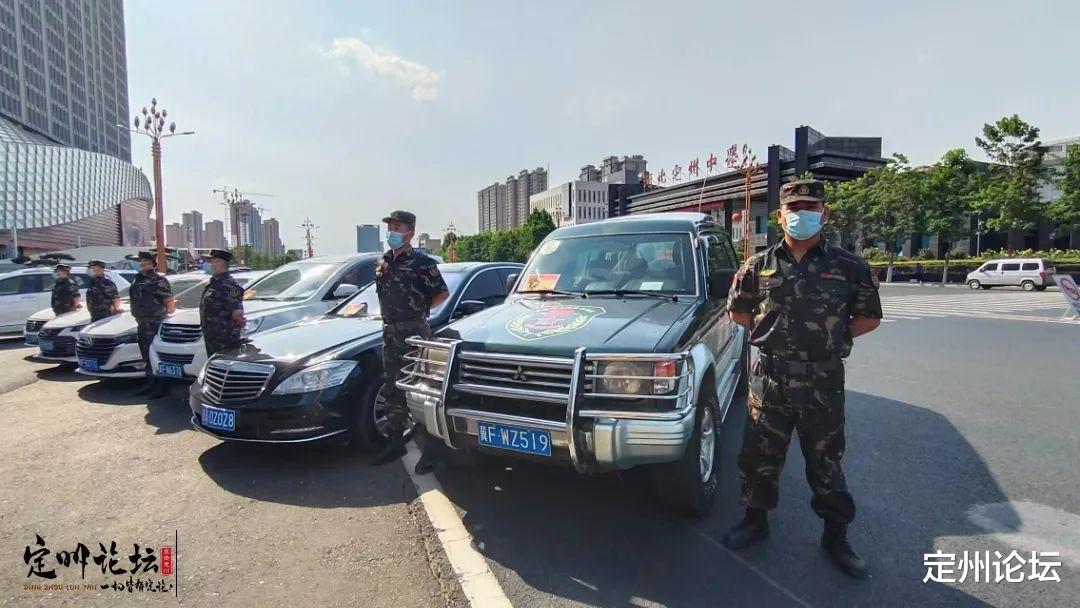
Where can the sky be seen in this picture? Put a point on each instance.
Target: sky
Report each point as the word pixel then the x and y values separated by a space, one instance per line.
pixel 344 111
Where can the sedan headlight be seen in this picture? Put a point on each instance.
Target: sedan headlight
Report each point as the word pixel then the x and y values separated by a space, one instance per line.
pixel 128 338
pixel 622 378
pixel 316 378
pixel 252 325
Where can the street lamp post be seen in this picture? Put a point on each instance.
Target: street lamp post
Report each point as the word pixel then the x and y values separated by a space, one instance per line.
pixel 748 166
pixel 152 125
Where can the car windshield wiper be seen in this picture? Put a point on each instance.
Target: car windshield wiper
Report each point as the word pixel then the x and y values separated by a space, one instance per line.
pixel 557 292
pixel 635 292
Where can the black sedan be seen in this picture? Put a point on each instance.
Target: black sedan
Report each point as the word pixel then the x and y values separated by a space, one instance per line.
pixel 321 378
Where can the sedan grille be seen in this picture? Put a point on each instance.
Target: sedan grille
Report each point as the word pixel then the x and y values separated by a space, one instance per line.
pixel 175 358
pixel 95 348
pixel 33 327
pixel 63 346
pixel 175 332
pixel 231 382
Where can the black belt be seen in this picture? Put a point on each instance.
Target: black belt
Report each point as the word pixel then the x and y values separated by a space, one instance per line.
pixel 399 325
pixel 792 367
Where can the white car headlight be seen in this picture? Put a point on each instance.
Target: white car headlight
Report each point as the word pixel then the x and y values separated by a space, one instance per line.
pixel 316 378
pixel 252 325
pixel 128 338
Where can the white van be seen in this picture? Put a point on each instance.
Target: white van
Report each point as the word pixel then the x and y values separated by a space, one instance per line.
pixel 1032 274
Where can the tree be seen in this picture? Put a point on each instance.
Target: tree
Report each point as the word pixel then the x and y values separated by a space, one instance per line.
pixel 892 205
pixel 1065 210
pixel 514 245
pixel 947 200
pixel 846 204
pixel 1011 193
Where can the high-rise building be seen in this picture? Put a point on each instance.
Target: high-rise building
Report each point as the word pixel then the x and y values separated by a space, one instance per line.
pixel 573 203
pixel 505 206
pixel 63 90
pixel 270 238
pixel 193 229
pixel 174 235
pixel 214 235
pixel 367 239
pixel 246 224
pixel 491 207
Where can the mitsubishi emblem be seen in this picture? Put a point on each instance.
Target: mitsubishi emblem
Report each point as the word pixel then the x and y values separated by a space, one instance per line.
pixel 519 375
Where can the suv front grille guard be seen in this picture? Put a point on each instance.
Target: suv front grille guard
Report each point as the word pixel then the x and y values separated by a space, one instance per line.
pixel 421 367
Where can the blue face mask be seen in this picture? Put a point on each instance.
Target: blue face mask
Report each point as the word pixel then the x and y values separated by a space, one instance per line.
pixel 394 239
pixel 801 225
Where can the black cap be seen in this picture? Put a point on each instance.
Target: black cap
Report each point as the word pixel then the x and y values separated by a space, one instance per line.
pixel 401 216
pixel 802 190
pixel 62 266
pixel 148 256
pixel 98 263
pixel 221 254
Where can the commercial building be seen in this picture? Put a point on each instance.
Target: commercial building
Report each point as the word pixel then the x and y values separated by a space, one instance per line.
pixel 66 172
pixel 174 235
pixel 722 194
pixel 505 206
pixel 214 235
pixel 269 241
pixel 425 241
pixel 192 234
pixel 573 203
pixel 367 239
pixel 1054 158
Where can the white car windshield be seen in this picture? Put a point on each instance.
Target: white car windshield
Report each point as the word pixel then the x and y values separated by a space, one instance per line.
pixel 661 262
pixel 366 303
pixel 296 281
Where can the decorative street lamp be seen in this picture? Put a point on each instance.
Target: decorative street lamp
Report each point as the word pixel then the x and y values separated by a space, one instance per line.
pixel 748 166
pixel 152 125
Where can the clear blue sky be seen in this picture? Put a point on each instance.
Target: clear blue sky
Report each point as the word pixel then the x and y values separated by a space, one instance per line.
pixel 347 110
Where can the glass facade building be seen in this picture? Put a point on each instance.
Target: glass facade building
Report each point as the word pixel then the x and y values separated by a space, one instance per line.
pixel 65 174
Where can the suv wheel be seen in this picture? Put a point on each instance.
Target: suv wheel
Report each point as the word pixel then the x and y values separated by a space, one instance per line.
pixel 689 484
pixel 974 284
pixel 1028 285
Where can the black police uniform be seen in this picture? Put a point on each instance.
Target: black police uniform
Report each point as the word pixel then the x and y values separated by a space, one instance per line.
pixel 64 294
pixel 100 296
pixel 148 291
pixel 221 298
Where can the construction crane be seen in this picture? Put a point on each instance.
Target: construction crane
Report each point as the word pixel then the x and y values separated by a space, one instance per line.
pixel 309 238
pixel 234 197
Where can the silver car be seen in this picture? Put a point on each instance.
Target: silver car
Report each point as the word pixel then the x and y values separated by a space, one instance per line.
pixel 1032 274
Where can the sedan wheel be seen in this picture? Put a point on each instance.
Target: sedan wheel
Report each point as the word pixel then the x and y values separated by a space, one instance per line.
pixel 378 414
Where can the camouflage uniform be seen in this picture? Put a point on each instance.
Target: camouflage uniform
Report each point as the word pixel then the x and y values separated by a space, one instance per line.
pixel 148 293
pixel 64 294
pixel 406 285
pixel 802 326
pixel 100 296
pixel 220 299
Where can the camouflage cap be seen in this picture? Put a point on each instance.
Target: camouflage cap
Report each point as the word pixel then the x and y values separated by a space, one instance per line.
pixel 98 263
pixel 404 217
pixel 221 254
pixel 802 190
pixel 62 266
pixel 148 256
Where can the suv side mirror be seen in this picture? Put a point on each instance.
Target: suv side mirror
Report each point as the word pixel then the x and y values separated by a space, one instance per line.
pixel 510 280
pixel 344 290
pixel 720 283
pixel 468 307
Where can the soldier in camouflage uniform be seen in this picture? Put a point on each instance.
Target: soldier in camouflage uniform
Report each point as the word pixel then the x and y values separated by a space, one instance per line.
pixel 803 301
pixel 65 293
pixel 102 297
pixel 151 301
pixel 222 306
pixel 409 285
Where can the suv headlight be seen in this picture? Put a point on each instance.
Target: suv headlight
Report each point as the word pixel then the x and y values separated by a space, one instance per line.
pixel 128 338
pixel 252 325
pixel 316 378
pixel 439 355
pixel 623 380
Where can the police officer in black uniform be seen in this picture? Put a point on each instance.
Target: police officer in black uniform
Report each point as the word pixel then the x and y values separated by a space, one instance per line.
pixel 222 306
pixel 151 301
pixel 102 297
pixel 409 285
pixel 65 293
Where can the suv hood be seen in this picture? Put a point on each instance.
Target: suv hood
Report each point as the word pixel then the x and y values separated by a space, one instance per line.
pixel 558 326
pixel 300 340
pixel 113 326
pixel 191 316
pixel 70 319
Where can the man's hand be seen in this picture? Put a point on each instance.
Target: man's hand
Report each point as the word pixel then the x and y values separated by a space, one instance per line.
pixel 746 319
pixel 238 317
pixel 170 305
pixel 439 299
pixel 863 325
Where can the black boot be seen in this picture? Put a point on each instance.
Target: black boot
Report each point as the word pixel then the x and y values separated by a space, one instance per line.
pixel 158 389
pixel 426 464
pixel 835 542
pixel 753 528
pixel 393 450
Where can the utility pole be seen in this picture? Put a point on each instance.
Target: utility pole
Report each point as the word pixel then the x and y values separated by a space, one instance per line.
pixel 308 226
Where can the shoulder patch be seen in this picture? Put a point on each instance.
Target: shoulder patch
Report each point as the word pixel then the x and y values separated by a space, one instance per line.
pixel 766 272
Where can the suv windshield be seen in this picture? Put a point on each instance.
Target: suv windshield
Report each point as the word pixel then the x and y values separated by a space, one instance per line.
pixel 661 262
pixel 190 294
pixel 366 302
pixel 296 281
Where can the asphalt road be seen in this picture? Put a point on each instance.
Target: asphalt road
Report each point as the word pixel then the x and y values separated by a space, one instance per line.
pixel 86 461
pixel 962 436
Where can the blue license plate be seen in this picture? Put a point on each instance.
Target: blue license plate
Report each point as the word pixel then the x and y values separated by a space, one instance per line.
pixel 171 370
pixel 46 345
pixel 514 438
pixel 31 339
pixel 88 363
pixel 217 418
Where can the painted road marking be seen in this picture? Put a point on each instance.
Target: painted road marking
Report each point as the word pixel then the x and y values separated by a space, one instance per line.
pixel 475 577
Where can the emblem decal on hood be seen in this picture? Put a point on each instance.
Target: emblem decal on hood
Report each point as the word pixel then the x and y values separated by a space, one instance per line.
pixel 552 320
